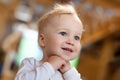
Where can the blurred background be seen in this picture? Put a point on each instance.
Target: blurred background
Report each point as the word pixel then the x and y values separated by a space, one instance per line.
pixel 100 54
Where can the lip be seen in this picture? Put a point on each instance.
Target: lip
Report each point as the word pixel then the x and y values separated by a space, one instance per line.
pixel 67 49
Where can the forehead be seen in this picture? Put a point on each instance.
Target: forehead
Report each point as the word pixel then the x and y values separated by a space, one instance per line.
pixel 66 20
pixel 63 17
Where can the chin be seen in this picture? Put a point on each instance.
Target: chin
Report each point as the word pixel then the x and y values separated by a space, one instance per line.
pixel 72 58
pixel 67 58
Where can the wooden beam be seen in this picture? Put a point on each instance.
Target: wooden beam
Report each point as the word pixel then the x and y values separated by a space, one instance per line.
pixel 100 34
pixel 45 2
pixel 107 53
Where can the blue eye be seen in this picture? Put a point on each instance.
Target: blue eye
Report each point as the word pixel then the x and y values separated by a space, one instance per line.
pixel 76 37
pixel 63 33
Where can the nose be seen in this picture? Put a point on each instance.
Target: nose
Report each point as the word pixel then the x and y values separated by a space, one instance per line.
pixel 70 42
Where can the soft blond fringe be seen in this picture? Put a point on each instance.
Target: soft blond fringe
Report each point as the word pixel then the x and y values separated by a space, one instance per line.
pixel 64 8
pixel 57 10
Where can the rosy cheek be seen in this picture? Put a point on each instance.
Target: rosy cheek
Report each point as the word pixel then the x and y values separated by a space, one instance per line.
pixel 78 49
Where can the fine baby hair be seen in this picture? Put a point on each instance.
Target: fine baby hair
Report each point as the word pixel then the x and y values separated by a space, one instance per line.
pixel 58 9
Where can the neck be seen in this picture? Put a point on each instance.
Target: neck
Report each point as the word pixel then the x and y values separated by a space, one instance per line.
pixel 44 59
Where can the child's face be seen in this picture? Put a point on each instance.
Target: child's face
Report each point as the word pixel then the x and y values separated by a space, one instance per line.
pixel 62 37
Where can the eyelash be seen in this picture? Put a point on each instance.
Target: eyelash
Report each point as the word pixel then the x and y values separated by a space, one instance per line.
pixel 76 37
pixel 64 33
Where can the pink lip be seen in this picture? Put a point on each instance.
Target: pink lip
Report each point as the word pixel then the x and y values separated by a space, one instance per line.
pixel 67 49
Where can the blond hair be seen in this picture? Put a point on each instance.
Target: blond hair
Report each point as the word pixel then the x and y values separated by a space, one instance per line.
pixel 58 9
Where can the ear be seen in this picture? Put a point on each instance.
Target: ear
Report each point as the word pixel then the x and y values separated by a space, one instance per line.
pixel 41 40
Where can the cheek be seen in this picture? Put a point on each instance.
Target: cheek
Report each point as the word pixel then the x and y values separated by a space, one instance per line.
pixel 52 43
pixel 78 48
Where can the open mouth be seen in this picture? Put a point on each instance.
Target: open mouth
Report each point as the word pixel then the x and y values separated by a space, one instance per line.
pixel 67 49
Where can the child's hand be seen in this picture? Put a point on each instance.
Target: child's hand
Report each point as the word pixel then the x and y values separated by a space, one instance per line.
pixel 65 67
pixel 56 62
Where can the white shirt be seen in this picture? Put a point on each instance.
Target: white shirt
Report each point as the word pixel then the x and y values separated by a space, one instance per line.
pixel 31 69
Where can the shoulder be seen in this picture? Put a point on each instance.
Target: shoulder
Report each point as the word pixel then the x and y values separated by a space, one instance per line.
pixel 30 61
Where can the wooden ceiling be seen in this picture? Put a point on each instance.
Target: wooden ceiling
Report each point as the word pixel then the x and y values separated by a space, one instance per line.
pixel 107 3
pixel 108 24
pixel 104 3
pixel 115 4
